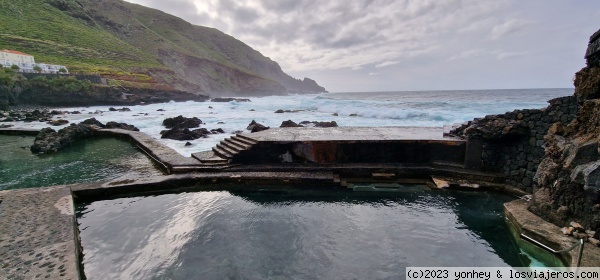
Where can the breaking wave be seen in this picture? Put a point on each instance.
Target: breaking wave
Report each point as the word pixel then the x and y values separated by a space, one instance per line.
pixel 433 108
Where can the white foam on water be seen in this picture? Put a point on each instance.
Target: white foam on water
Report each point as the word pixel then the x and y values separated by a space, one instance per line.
pixel 436 108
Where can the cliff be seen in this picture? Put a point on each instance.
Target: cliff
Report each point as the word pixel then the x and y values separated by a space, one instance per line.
pixel 568 178
pixel 59 90
pixel 551 152
pixel 120 39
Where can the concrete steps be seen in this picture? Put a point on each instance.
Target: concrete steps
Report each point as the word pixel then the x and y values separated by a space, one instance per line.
pixel 209 158
pixel 225 151
pixel 245 139
pixel 230 147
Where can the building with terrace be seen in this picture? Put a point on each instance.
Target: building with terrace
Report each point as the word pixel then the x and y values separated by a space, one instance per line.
pixel 26 63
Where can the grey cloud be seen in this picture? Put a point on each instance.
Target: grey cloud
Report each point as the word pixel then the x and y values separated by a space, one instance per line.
pixel 423 36
pixel 509 27
pixel 180 8
pixel 282 6
pixel 238 13
pixel 508 55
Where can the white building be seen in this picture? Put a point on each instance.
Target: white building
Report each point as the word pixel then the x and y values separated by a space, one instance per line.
pixel 27 63
pixel 15 57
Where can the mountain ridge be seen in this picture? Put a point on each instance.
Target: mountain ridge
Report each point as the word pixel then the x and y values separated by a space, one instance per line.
pixel 117 38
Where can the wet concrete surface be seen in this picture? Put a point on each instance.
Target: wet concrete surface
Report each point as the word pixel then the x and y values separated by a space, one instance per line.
pixel 37 234
pixel 549 234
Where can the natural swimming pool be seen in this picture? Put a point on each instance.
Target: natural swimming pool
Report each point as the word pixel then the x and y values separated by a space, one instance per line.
pixel 292 233
pixel 86 161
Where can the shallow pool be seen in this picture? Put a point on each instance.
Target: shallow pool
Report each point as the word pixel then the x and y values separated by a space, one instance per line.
pixel 293 234
pixel 85 161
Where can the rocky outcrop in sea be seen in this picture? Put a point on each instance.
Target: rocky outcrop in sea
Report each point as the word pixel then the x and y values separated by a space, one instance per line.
pixel 256 127
pixel 180 128
pixel 290 123
pixel 49 140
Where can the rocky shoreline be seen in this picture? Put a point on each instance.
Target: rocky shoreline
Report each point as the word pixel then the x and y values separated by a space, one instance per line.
pixel 49 140
pixel 71 93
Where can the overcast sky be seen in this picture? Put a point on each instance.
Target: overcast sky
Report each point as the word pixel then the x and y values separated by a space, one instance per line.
pixel 386 45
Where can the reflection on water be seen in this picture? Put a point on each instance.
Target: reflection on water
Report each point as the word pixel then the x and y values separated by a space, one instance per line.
pixel 291 234
pixel 89 160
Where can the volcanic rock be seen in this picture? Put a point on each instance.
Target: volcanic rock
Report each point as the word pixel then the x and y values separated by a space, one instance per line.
pixel 124 126
pixel 93 121
pixel 182 122
pixel 58 122
pixel 184 134
pixel 50 141
pixel 228 99
pixel 567 230
pixel 319 124
pixel 281 111
pixel 289 123
pixel 256 127
pixel 124 109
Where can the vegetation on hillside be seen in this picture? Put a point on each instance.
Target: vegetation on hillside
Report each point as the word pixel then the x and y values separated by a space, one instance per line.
pixel 60 84
pixel 130 43
pixel 38 28
pixel 9 79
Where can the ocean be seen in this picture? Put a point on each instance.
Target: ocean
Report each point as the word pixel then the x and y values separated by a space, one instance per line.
pixel 403 108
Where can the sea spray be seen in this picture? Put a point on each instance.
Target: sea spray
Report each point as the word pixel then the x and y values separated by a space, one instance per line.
pixel 428 108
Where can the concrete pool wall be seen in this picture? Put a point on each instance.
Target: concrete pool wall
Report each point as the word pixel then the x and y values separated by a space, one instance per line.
pixel 38 227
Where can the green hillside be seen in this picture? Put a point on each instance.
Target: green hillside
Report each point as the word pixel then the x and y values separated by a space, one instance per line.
pixel 121 40
pixel 42 30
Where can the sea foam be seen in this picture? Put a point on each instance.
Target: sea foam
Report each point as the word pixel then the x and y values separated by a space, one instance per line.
pixel 433 108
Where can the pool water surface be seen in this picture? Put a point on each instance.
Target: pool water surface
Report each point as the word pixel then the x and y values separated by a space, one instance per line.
pixel 292 233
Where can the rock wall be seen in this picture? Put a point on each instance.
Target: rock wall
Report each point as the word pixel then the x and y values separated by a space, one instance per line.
pixel 567 182
pixel 552 152
pixel 513 142
pixel 592 54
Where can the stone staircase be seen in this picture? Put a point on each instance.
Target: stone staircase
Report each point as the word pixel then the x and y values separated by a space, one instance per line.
pixel 225 151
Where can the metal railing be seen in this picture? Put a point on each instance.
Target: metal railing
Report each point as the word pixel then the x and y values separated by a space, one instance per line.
pixel 580 244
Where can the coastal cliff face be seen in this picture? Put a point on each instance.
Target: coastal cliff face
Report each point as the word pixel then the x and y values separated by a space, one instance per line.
pixel 96 96
pixel 113 36
pixel 568 178
pixel 551 152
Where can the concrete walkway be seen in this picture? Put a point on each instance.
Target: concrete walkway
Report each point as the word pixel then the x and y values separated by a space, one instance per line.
pixel 37 234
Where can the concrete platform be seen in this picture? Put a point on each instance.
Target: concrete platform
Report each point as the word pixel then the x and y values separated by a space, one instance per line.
pixel 352 134
pixel 38 234
pixel 348 145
